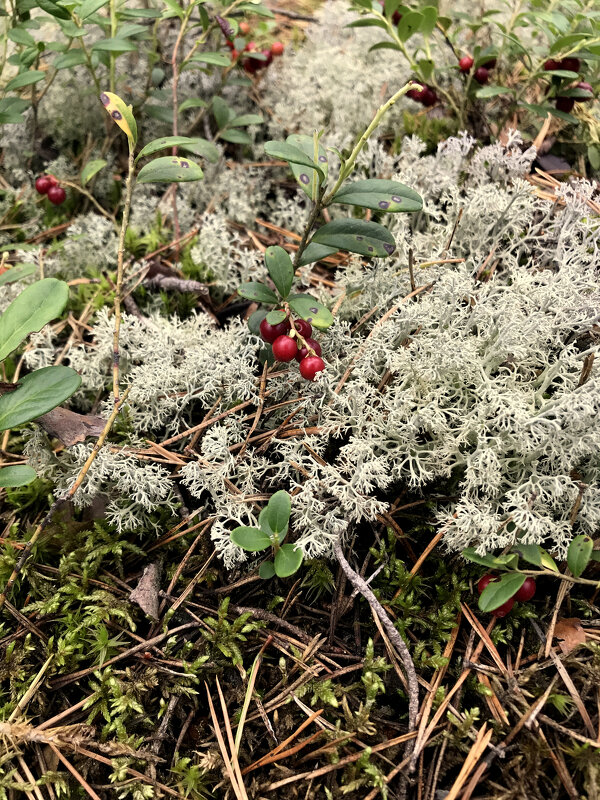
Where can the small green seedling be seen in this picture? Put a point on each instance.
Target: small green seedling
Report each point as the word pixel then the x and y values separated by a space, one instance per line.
pixel 273 521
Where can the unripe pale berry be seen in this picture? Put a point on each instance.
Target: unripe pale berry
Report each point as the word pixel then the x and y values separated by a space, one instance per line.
pixel 526 591
pixel 284 348
pixel 57 195
pixel 303 351
pixel 481 75
pixel 504 609
pixel 465 64
pixel 245 28
pixel 303 327
pixel 270 332
pixel 277 48
pixel 587 87
pixel 310 365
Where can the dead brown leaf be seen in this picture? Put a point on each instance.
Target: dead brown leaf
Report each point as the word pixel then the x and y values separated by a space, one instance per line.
pixel 146 592
pixel 570 633
pixel 69 427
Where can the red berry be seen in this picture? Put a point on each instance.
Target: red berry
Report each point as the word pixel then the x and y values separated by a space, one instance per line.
pixel 269 56
pixel 565 104
pixel 526 591
pixel 303 327
pixel 415 94
pixel 429 97
pixel 43 183
pixel 571 64
pixel 57 195
pixel 481 75
pixel 587 87
pixel 303 351
pixel 396 17
pixel 230 44
pixel 250 47
pixel 490 64
pixel 234 54
pixel 465 64
pixel 483 582
pixel 270 332
pixel 245 28
pixel 551 64
pixel 277 48
pixel 310 365
pixel 504 609
pixel 284 348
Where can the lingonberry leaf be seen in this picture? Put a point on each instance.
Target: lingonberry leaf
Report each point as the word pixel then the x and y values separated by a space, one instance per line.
pixel 279 266
pixel 266 570
pixel 38 393
pixel 493 91
pixel 293 155
pixel 251 539
pixel 409 24
pixel 196 145
pixel 37 305
pixel 235 136
pixel 278 511
pixel 17 273
pixel 493 562
pixel 498 592
pixel 304 177
pixel 380 195
pixel 170 169
pixel 579 554
pixel 357 236
pixel 532 553
pixel 315 252
pixel 121 113
pixel 18 475
pixel 258 292
pixel 221 111
pixel 311 310
pixel 276 316
pixel 91 168
pixel 287 560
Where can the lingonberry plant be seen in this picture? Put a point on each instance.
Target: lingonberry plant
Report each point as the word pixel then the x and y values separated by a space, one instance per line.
pixel 308 161
pixel 40 391
pixel 499 593
pixel 273 528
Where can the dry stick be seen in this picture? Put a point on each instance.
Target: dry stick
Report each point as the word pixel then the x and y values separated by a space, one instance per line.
pixel 119 287
pixel 57 503
pixel 78 777
pixel 398 642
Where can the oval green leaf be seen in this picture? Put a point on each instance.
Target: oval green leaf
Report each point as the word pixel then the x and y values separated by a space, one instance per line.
pixel 19 475
pixel 293 155
pixel 38 393
pixel 532 553
pixel 315 252
pixel 170 169
pixel 255 319
pixel 200 147
pixel 17 273
pixel 74 58
pixel 235 136
pixel 278 512
pixel 389 196
pixel 251 539
pixel 114 45
pixel 266 570
pixel 357 236
pixel 275 317
pixel 307 146
pixel 25 79
pixel 279 266
pixel 486 561
pixel 498 592
pixel 91 168
pixel 37 305
pixel 287 560
pixel 579 554
pixel 258 292
pixel 311 310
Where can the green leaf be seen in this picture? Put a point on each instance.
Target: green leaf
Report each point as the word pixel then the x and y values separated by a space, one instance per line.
pixel 161 113
pixel 37 305
pixel 547 561
pixel 89 7
pixel 430 16
pixel 492 91
pixel 120 113
pixel 235 136
pixel 380 195
pixel 255 319
pixel 367 22
pixel 53 9
pixel 21 36
pixel 91 168
pixel 71 59
pixel 311 310
pixel 170 169
pixel 222 112
pixel 251 539
pixel 25 79
pixel 498 592
pixel 192 102
pixel 593 154
pixel 293 155
pixel 492 562
pixel 175 8
pixel 193 145
pixel 38 393
pixel 543 111
pixel 278 512
pixel 258 9
pixel 287 560
pixel 307 146
pixel 19 475
pixel 275 317
pixel 532 553
pixel 279 266
pixel 114 45
pixel 17 273
pixel 409 24
pixel 357 236
pixel 258 292
pixel 245 119
pixel 315 252
pixel 579 554
pixel 562 73
pixel 218 59
pixel 266 570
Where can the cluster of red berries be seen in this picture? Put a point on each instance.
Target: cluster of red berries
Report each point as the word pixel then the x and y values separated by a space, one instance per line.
pixel 286 348
pixel 250 64
pixel 572 65
pixel 48 185
pixel 482 73
pixel 524 594
pixel 426 95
